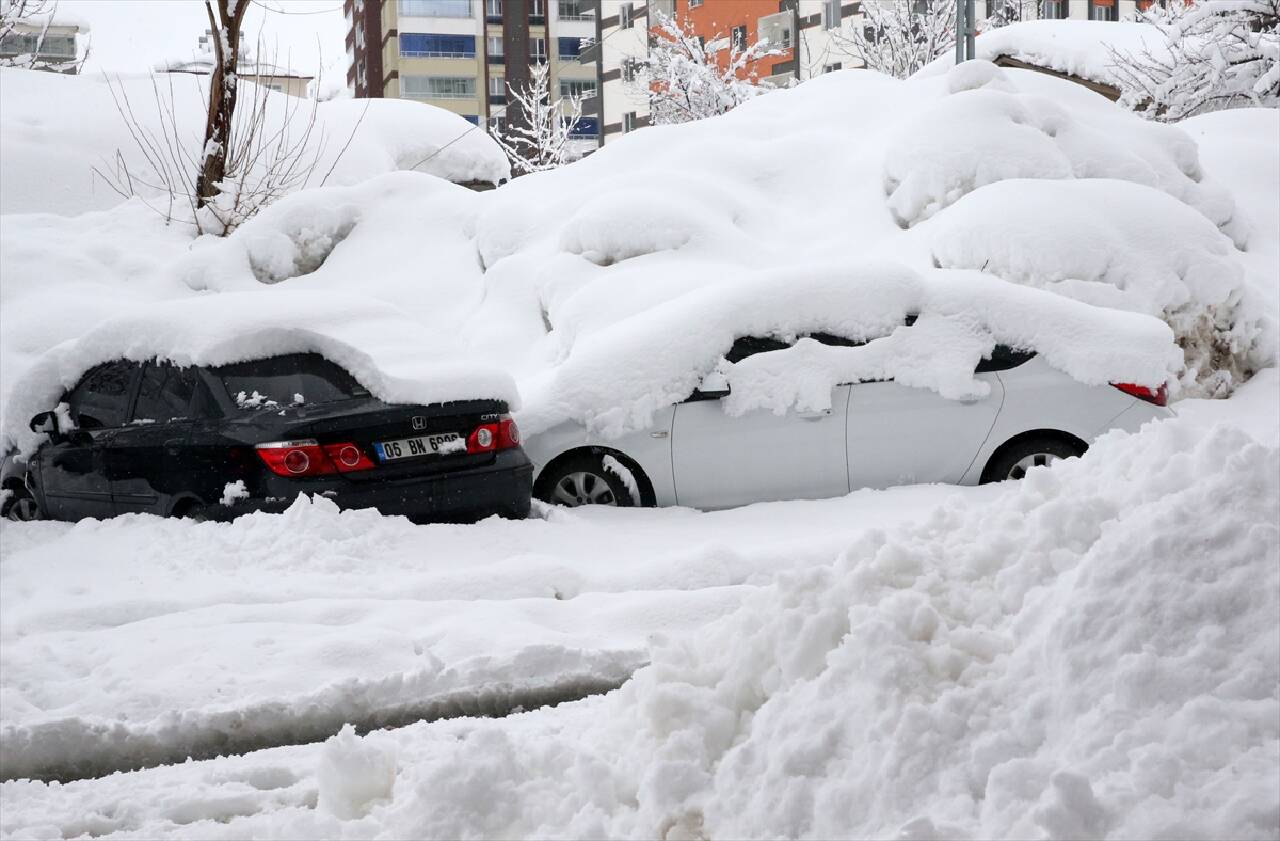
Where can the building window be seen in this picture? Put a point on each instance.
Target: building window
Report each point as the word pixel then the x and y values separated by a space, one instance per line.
pixel 628 70
pixel 1102 10
pixel 413 45
pixel 659 9
pixel 831 14
pixel 474 119
pixel 437 87
pixel 831 68
pixel 577 87
pixel 740 37
pixel 693 4
pixel 629 121
pixel 498 88
pixel 776 29
pixel 435 8
pixel 1053 9
pixel 493 9
pixel 568 48
pixel 538 49
pixel 494 47
pixel 537 8
pixel 575 10
pixel 586 127
pixel 625 13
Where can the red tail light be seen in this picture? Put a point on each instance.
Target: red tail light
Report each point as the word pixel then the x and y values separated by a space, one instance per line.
pixel 297 459
pixel 503 435
pixel 1158 396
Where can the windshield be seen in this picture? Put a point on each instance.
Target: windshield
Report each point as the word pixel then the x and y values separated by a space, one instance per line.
pixel 296 379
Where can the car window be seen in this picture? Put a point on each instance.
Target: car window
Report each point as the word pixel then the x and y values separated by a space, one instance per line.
pixel 164 393
pixel 1003 358
pixel 751 345
pixel 288 380
pixel 101 398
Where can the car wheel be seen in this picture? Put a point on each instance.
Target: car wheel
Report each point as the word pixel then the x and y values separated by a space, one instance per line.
pixel 21 506
pixel 1013 462
pixel 584 480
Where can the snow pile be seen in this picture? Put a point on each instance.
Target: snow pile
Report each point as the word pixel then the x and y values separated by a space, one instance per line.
pixel 354 773
pixel 1181 268
pixel 50 153
pixel 1080 48
pixel 656 358
pixel 1093 653
pixel 385 351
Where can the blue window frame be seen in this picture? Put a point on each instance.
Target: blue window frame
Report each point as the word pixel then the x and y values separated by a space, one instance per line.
pixel 413 45
pixel 471 118
pixel 586 127
pixel 569 48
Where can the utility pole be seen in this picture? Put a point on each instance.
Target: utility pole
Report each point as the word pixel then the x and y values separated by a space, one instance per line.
pixel 966 31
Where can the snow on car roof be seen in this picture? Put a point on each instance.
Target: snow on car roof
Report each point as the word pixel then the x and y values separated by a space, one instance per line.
pixel 386 352
pixel 615 379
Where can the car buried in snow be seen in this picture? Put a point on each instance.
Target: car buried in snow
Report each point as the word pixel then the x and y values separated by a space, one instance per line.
pixel 214 442
pixel 875 434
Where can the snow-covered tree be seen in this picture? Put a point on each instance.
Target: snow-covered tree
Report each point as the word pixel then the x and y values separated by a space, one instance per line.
pixel 224 29
pixel 902 36
pixel 687 77
pixel 543 139
pixel 1217 54
pixel 1005 12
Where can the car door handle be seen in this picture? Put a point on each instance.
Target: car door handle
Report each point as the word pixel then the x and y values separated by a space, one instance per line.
pixel 659 434
pixel 815 415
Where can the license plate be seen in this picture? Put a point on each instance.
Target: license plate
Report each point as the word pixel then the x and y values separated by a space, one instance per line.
pixel 427 445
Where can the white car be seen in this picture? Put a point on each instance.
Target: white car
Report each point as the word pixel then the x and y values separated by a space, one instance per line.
pixel 876 434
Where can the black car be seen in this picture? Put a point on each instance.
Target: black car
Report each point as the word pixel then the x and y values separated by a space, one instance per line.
pixel 213 443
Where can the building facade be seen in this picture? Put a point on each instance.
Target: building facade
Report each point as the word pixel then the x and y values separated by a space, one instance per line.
pixel 52 48
pixel 461 55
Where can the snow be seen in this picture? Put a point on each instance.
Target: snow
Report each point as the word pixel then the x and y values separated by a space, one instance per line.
pixel 233 491
pixel 51 153
pixel 1091 651
pixel 1080 48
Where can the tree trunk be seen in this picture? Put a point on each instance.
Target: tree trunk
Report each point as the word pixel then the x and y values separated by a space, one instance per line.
pixel 223 84
pixel 516 58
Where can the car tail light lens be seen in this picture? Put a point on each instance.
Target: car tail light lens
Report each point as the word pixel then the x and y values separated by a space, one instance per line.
pixel 348 457
pixel 308 457
pixel 488 437
pixel 508 434
pixel 483 439
pixel 295 458
pixel 1158 396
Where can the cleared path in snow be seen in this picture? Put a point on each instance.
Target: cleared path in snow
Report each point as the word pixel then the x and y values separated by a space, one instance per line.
pixel 138 641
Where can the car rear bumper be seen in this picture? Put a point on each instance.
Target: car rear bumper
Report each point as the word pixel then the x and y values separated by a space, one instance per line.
pixel 503 488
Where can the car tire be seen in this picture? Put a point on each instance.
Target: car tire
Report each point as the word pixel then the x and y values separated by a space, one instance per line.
pixel 1014 460
pixel 21 506
pixel 584 480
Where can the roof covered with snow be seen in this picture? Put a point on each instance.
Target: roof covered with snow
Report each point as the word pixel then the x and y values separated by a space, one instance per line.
pixel 1080 48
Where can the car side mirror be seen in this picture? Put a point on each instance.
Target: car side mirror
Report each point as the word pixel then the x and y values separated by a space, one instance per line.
pixel 44 422
pixel 713 386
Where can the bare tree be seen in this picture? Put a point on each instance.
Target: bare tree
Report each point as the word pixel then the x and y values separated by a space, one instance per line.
pixel 223 86
pixel 690 78
pixel 902 36
pixel 1005 12
pixel 1216 54
pixel 541 135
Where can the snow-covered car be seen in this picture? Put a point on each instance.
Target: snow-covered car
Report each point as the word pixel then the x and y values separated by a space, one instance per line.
pixel 874 435
pixel 214 442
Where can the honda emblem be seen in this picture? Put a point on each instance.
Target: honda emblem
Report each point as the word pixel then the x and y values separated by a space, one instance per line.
pixel 419 422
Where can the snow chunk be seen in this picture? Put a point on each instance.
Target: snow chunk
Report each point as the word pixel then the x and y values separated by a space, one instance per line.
pixel 233 491
pixel 355 772
pixel 1146 252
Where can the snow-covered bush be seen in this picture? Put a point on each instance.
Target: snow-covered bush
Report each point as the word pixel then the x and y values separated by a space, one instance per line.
pixel 900 37
pixel 687 77
pixel 1219 54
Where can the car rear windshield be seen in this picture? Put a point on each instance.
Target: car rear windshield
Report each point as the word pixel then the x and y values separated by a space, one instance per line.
pixel 291 380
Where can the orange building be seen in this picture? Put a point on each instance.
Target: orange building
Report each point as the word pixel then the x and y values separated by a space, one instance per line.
pixel 745 21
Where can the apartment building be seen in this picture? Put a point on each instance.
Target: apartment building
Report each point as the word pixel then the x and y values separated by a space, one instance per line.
pixel 461 55
pixel 52 48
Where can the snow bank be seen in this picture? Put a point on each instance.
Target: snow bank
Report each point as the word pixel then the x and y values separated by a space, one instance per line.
pixel 383 350
pixel 1078 48
pixel 50 153
pixel 1146 253
pixel 615 380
